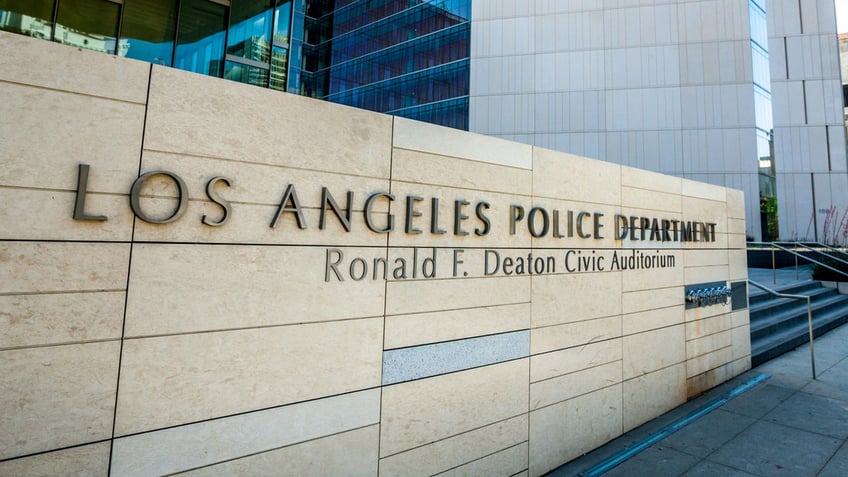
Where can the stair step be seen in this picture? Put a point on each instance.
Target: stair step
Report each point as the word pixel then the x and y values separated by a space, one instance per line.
pixel 755 295
pixel 764 348
pixel 779 325
pixel 767 308
pixel 796 312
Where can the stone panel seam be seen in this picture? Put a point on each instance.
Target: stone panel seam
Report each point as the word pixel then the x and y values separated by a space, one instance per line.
pixel 573 201
pixel 247 328
pixel 720 365
pixel 54 189
pixel 129 274
pixel 68 292
pixel 572 347
pixel 696 338
pixel 649 310
pixel 35 454
pixel 530 320
pixel 461 188
pixel 75 93
pixel 594 318
pixel 63 343
pixel 277 448
pixel 486 456
pixel 663 368
pixel 454 158
pixel 498 305
pixel 577 371
pixel 656 329
pixel 385 303
pixel 226 416
pixel 456 435
pixel 577 345
pixel 576 396
pixel 264 164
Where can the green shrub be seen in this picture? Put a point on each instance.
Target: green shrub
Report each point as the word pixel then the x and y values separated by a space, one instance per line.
pixel 819 272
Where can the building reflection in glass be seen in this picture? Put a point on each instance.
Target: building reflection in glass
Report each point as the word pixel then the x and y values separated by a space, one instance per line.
pixel 404 57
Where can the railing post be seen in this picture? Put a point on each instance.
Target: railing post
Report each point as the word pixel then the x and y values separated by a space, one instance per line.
pixel 773 268
pixel 810 326
pixel 809 316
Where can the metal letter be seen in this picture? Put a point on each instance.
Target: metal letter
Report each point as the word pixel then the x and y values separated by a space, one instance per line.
pixel 333 266
pixel 290 195
pixel 580 217
pixel 531 222
pixel 214 197
pixel 516 213
pixel 79 206
pixel 598 225
pixel 411 213
pixel 434 217
pixel 327 199
pixel 456 260
pixel 487 224
pixel 135 192
pixel 369 204
pixel 458 216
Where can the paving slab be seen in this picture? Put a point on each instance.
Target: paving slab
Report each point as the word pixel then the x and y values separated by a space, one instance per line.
pixel 713 431
pixel 787 425
pixel 655 461
pixel 759 401
pixel 808 412
pixel 769 449
pixel 705 468
pixel 832 383
pixel 837 466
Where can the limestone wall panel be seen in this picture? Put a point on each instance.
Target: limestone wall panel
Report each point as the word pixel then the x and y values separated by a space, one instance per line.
pixel 183 288
pixel 242 370
pixel 92 460
pixel 429 410
pixel 202 116
pixel 452 452
pixel 57 396
pixel 598 413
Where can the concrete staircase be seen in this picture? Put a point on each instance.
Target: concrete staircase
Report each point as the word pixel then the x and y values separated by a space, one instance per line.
pixel 779 325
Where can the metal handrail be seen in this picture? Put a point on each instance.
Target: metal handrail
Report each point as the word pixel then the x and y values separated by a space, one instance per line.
pixel 778 245
pixel 809 316
pixel 834 252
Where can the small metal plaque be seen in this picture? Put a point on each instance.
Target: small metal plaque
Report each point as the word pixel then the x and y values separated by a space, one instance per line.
pixel 707 294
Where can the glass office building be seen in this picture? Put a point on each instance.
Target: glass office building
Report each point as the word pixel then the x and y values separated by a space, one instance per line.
pixel 404 57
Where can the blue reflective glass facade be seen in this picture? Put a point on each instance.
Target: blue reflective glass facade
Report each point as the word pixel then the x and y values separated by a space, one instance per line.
pixel 404 57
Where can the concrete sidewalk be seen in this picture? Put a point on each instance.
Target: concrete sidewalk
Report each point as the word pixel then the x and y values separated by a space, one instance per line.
pixel 786 425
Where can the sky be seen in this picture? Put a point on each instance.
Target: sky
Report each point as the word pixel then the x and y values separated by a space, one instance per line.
pixel 842 15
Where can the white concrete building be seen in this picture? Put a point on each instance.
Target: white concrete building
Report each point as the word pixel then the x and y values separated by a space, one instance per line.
pixel 690 88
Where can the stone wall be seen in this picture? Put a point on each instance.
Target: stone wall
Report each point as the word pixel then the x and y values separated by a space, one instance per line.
pixel 506 335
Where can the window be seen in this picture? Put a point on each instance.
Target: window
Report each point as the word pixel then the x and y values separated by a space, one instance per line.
pixel 28 17
pixel 200 37
pixel 89 24
pixel 147 30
